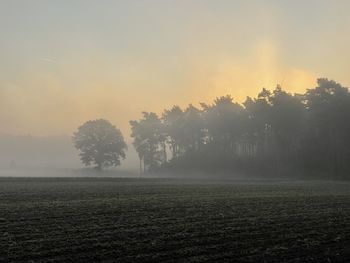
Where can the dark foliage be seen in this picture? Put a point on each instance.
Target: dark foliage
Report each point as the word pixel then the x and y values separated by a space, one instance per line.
pixel 277 132
pixel 99 143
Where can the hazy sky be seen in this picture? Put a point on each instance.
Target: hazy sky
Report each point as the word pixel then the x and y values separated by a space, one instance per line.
pixel 64 62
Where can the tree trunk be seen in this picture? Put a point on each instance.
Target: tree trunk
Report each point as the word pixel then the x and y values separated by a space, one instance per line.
pixel 99 167
pixel 164 153
pixel 140 166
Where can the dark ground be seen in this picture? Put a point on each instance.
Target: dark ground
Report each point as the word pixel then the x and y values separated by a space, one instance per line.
pixel 150 220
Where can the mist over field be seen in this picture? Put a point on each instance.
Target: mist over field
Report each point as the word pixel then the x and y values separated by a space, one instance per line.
pixel 26 151
pixel 49 156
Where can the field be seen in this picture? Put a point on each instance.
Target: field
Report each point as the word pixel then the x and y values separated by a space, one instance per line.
pixel 152 220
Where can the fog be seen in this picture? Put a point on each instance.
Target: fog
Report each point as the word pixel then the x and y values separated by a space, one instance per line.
pixel 276 134
pixel 25 155
pixel 240 88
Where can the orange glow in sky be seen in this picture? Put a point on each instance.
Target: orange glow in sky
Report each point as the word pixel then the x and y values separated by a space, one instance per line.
pixel 64 62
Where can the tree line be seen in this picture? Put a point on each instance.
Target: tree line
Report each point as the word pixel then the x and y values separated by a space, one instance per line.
pixel 275 133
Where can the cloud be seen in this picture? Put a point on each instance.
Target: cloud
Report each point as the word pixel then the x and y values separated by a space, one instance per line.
pixel 48 60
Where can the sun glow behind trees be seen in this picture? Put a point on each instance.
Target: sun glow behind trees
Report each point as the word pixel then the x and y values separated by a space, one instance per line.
pixel 276 133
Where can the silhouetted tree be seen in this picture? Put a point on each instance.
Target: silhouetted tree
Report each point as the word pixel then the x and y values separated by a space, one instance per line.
pixel 173 120
pixel 193 130
pixel 100 143
pixel 225 123
pixel 258 132
pixel 287 119
pixel 328 138
pixel 149 140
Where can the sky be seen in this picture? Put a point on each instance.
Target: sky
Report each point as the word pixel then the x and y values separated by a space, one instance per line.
pixel 68 61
